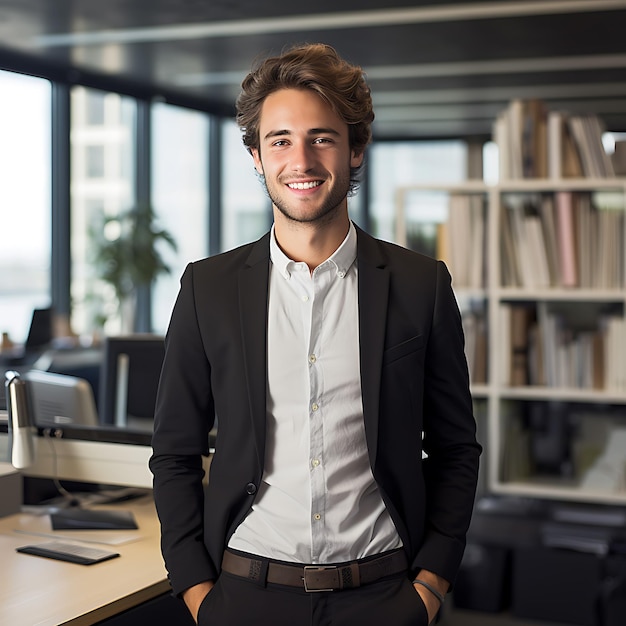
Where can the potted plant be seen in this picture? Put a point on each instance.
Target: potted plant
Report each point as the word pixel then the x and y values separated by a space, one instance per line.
pixel 127 257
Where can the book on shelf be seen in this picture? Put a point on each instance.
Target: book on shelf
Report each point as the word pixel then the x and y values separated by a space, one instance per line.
pixel 549 229
pixel 587 133
pixel 555 144
pixel 537 247
pixel 475 330
pixel 586 241
pixel 609 259
pixel 566 238
pixel 509 270
pixel 521 245
pixel 522 317
pixel 614 354
pixel 534 139
pixel 461 242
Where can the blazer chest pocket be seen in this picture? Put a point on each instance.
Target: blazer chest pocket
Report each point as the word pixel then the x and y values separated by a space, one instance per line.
pixel 403 349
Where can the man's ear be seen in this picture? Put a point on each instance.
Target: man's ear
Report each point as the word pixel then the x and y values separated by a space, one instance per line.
pixel 257 160
pixel 356 159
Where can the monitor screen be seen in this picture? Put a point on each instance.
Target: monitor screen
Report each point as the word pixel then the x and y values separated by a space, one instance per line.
pixel 129 378
pixel 59 400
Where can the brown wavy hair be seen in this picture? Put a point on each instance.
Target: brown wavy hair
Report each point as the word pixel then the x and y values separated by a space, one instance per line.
pixel 319 68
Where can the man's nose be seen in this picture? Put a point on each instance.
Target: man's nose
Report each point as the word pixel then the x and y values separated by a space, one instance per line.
pixel 302 157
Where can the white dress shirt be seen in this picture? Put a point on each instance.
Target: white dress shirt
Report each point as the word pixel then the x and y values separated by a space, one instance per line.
pixel 317 502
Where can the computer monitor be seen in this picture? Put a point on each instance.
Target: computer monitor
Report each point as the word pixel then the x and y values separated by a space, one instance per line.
pixel 129 379
pixel 60 400
pixel 40 331
pixel 40 399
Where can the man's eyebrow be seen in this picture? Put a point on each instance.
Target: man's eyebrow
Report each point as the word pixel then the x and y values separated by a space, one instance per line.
pixel 312 131
pixel 276 133
pixel 323 131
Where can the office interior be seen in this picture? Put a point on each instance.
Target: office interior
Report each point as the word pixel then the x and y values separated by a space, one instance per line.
pixel 117 119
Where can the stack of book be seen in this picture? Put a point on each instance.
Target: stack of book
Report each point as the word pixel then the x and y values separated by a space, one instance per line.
pixel 535 142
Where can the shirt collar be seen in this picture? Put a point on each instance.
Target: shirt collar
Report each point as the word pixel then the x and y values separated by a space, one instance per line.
pixel 341 259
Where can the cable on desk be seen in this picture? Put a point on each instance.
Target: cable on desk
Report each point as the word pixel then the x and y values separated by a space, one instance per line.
pixel 50 434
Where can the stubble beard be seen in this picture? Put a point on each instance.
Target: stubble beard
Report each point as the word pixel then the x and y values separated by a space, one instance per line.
pixel 324 214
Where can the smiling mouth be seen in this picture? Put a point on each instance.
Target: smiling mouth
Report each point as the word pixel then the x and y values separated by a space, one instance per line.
pixel 307 185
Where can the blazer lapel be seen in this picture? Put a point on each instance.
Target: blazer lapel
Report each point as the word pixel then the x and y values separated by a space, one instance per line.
pixel 373 297
pixel 253 296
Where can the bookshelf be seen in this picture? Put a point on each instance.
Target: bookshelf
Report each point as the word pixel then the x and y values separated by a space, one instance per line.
pixel 547 356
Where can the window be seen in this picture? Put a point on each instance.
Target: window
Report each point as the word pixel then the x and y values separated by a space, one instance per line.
pixel 25 204
pixel 102 185
pixel 180 169
pixel 94 161
pixel 95 107
pixel 246 213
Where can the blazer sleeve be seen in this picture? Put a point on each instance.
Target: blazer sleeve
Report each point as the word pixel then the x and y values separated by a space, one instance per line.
pixel 451 467
pixel 183 417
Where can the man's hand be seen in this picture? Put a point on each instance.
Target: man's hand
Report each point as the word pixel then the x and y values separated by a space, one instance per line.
pixel 194 595
pixel 430 600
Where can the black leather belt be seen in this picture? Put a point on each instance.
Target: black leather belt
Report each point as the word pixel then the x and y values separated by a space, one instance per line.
pixel 316 577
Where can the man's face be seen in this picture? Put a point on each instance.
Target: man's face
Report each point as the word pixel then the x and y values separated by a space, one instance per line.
pixel 304 156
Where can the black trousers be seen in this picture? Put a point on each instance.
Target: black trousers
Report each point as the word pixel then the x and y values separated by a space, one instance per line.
pixel 236 601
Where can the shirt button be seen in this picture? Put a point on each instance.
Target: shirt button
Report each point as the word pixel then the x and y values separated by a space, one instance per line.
pixel 251 489
pixel 315 406
pixel 315 462
pixel 305 298
pixel 312 358
pixel 317 517
pixel 341 274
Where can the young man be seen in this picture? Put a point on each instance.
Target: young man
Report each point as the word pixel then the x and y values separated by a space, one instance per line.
pixel 332 361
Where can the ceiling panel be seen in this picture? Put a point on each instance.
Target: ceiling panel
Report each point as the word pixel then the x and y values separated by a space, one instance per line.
pixel 437 68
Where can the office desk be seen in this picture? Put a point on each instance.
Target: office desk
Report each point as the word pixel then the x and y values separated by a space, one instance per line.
pixel 35 591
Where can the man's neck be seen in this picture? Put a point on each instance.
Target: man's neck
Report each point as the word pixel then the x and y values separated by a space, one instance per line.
pixel 310 243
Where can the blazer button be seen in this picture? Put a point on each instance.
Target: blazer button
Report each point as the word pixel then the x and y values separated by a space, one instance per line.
pixel 251 489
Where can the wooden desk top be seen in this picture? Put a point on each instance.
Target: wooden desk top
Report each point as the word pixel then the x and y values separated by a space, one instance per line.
pixel 36 591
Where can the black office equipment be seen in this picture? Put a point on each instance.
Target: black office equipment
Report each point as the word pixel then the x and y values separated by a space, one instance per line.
pixel 92 519
pixel 129 378
pixel 73 553
pixel 40 331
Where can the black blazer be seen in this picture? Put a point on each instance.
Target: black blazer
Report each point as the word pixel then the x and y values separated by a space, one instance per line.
pixel 414 380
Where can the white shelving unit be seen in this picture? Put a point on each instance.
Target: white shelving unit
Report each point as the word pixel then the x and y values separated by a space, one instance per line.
pixel 496 396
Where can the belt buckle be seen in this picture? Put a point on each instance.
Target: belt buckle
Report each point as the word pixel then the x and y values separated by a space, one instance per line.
pixel 316 568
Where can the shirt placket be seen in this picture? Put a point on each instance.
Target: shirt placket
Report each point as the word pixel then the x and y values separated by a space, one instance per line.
pixel 320 280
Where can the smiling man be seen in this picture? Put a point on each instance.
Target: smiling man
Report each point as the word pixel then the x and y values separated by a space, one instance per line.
pixel 334 361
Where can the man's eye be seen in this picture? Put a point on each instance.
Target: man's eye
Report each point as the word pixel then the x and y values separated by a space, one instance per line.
pixel 280 142
pixel 323 140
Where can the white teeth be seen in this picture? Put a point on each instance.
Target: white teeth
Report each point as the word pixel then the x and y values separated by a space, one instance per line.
pixel 308 185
